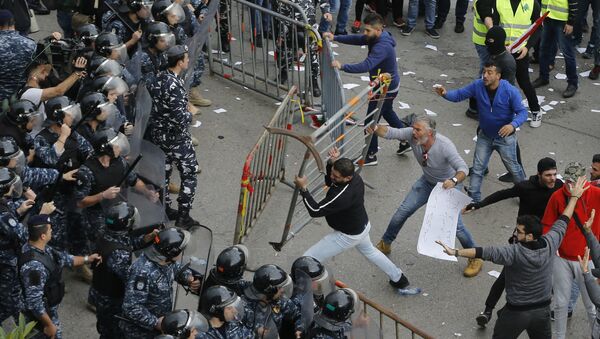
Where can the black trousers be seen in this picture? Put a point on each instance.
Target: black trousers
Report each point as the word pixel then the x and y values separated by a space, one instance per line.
pixel 522 75
pixel 495 292
pixel 511 323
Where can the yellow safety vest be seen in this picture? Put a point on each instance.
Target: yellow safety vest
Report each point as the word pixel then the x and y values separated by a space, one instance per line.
pixel 479 28
pixel 514 24
pixel 559 9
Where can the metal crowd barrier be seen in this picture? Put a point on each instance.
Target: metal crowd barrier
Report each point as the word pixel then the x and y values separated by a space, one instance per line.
pixel 333 98
pixel 386 315
pixel 352 143
pixel 263 168
pixel 255 59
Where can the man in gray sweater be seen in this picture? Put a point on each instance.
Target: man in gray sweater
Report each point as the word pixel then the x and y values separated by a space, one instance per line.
pixel 591 276
pixel 528 268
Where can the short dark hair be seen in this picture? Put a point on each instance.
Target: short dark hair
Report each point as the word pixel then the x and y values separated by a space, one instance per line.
pixel 532 225
pixel 373 19
pixel 172 62
pixel 344 166
pixel 596 158
pixel 490 64
pixel 36 231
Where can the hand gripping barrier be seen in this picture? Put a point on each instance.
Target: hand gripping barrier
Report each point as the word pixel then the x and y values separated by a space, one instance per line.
pixel 263 168
pixel 285 55
pixel 352 142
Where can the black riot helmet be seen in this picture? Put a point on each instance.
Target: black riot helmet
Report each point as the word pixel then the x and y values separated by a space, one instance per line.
pixel 180 323
pixel 231 264
pixel 267 281
pixel 137 5
pixel 56 109
pixel 121 217
pixel 105 84
pixel 169 243
pixel 87 34
pixel 168 12
pixel 216 299
pixel 308 265
pixel 340 305
pixel 95 106
pixel 158 31
pixel 9 150
pixel 107 141
pixel 8 179
pixel 107 43
pixel 22 112
pixel 102 66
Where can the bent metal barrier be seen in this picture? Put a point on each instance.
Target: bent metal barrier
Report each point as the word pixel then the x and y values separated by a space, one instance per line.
pixel 263 168
pixel 259 60
pixel 333 98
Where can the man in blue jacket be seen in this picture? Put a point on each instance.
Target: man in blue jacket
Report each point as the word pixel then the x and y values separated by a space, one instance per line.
pixel 500 113
pixel 381 59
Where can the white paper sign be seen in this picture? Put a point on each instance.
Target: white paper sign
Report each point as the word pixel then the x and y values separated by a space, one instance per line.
pixel 441 216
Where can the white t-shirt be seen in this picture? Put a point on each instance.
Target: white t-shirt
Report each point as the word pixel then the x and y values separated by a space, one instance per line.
pixel 35 95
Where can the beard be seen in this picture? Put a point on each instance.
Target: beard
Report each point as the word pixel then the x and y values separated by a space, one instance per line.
pixel 422 140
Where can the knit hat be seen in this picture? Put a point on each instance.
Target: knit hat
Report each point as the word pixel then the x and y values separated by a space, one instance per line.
pixel 573 171
pixel 546 164
pixel 6 17
pixel 495 39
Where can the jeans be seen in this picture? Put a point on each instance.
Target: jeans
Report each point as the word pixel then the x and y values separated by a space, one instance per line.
pixel 64 21
pixel 260 21
pixel 511 323
pixel 342 8
pixel 417 197
pixel 553 31
pixel 337 242
pixel 563 272
pixel 387 112
pixel 413 10
pixel 506 148
pixel 443 8
pixel 574 297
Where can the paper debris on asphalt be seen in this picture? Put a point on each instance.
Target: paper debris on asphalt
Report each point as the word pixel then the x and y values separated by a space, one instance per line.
pixel 552 153
pixel 237 63
pixel 458 334
pixel 560 76
pixel 364 78
pixel 335 45
pixel 467 151
pixel 551 89
pixel 475 138
pixel 436 85
pixel 272 53
pixel 596 110
pixel 553 102
pixel 220 110
pixel 547 108
pixel 562 101
pixel 214 51
pixel 530 70
pixel 541 98
pixel 430 113
pixel 584 74
pixel 420 81
pixel 581 50
pixel 494 273
pixel 299 68
pixel 431 47
pixel 363 47
pixel 278 103
pixel 197 124
pixel 335 53
pixel 456 125
pixel 238 98
pixel 444 75
pixel 350 86
pixel 596 83
pixel 403 105
pixel 450 53
pixel 408 73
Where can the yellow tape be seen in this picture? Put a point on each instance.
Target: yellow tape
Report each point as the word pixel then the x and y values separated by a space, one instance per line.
pixel 297 101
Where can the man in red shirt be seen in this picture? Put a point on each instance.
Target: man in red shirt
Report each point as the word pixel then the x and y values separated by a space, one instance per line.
pixel 566 265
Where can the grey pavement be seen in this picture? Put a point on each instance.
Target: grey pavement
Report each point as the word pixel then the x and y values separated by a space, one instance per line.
pixel 450 302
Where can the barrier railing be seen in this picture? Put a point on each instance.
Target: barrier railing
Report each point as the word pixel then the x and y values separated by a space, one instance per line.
pixel 263 168
pixel 270 62
pixel 352 143
pixel 333 98
pixel 401 326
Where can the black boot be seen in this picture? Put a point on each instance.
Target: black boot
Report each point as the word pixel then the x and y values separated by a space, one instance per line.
pixel 484 317
pixel 185 221
pixel 225 47
pixel 283 76
pixel 171 213
pixel 316 90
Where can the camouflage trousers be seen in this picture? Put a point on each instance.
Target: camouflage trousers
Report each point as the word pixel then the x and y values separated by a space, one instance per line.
pixel 287 55
pixel 224 14
pixel 11 301
pixel 106 309
pixel 53 314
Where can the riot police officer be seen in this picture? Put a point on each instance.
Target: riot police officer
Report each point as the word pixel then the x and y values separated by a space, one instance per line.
pixel 268 303
pixel 184 324
pixel 109 45
pixel 129 23
pixel 333 322
pixel 152 57
pixel 87 34
pixel 40 268
pixel 115 246
pixel 224 310
pixel 168 130
pixel 97 112
pixel 22 117
pixel 229 270
pixel 148 292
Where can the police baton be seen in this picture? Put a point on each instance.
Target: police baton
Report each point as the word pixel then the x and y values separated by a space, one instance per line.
pixel 119 16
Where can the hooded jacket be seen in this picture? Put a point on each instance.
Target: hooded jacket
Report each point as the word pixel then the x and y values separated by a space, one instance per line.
pixel 574 241
pixel 381 57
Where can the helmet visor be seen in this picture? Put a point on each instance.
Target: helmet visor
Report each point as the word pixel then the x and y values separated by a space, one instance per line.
pixel 19 159
pixel 17 188
pixel 165 41
pixel 37 119
pixel 115 84
pixel 119 54
pixel 322 285
pixel 74 111
pixel 234 310
pixel 108 112
pixel 109 68
pixel 197 321
pixel 287 287
pixel 120 145
pixel 174 13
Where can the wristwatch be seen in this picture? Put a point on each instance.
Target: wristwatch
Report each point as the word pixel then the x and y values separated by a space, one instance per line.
pixel 454 180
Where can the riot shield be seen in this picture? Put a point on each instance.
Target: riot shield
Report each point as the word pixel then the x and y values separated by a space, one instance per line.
pixel 268 330
pixel 134 65
pixel 197 256
pixel 303 286
pixel 143 109
pixel 363 327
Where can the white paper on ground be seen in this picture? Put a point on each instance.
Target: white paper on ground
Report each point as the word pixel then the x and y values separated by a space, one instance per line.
pixel 334 53
pixel 547 108
pixel 596 83
pixel 584 74
pixel 596 110
pixel 467 151
pixel 214 51
pixel 456 125
pixel 431 47
pixel 220 110
pixel 350 86
pixel 562 101
pixel 197 124
pixel 530 70
pixel 553 102
pixel 278 103
pixel 334 45
pixel 560 76
pixel 238 98
pixel 436 85
pixel 403 105
pixel 450 53
pixel 430 113
pixel 237 63
pixel 444 75
pixel 363 47
pixel 420 81
pixel 364 78
pixel 408 73
pixel 299 68
pixel 272 53
pixel 494 274
pixel 551 153
pixel 581 50
pixel 551 89
pixel 541 98
pixel 439 223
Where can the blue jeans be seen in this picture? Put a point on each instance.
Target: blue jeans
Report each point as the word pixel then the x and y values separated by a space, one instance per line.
pixel 387 112
pixel 417 197
pixel 260 21
pixel 574 297
pixel 506 148
pixel 342 8
pixel 553 31
pixel 413 11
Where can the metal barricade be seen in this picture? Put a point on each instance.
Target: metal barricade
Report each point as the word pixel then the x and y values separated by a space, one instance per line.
pixel 401 326
pixel 264 167
pixel 333 93
pixel 352 143
pixel 258 61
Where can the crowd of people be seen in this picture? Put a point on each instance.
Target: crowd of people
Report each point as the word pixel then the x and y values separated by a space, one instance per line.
pixel 65 166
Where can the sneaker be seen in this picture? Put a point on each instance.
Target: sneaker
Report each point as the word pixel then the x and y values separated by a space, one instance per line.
pixel 399 22
pixel 473 268
pixel 355 27
pixel 403 148
pixel 371 160
pixel 432 33
pixel 483 318
pixel 570 91
pixel 401 283
pixel 536 119
pixel 384 247
pixel 196 98
pixel 406 31
pixel 506 177
pixel 539 82
pixel 185 221
pixel 438 24
pixel 594 73
pixel 459 27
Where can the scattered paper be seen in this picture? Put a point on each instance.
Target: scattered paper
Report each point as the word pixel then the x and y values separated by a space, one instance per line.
pixel 562 101
pixel 278 103
pixel 553 102
pixel 214 51
pixel 444 75
pixel 431 47
pixel 206 90
pixel 467 151
pixel 436 85
pixel 237 63
pixel 551 89
pixel 364 78
pixel 596 83
pixel 530 70
pixel 475 138
pixel 551 153
pixel 408 73
pixel 271 53
pixel 220 110
pixel 350 86
pixel 596 110
pixel 233 39
pixel 458 334
pixel 456 125
pixel 334 45
pixel 335 53
pixel 547 108
pixel 450 53
pixel 197 124
pixel 420 81
pixel 494 274
pixel 238 98
pixel 403 105
pixel 430 113
pixel 581 50
pixel 425 294
pixel 363 47
pixel 245 87
pixel 585 74
pixel 560 76
pixel 225 60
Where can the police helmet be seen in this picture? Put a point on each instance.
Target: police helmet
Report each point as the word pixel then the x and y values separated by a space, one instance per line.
pixel 9 150
pixel 92 105
pixel 87 33
pixel 170 242
pixel 21 112
pixel 106 42
pixel 57 107
pixel 105 84
pixel 8 179
pixel 102 66
pixel 308 265
pixel 158 30
pixel 216 299
pixel 180 323
pixel 168 12
pixel 231 264
pixel 267 281
pixel 340 305
pixel 136 5
pixel 121 217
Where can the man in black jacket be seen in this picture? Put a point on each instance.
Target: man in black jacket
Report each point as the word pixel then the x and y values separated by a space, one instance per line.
pixel 533 197
pixel 344 210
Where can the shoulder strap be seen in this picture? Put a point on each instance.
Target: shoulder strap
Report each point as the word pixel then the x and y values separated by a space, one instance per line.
pixel 576 218
pixel 44 259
